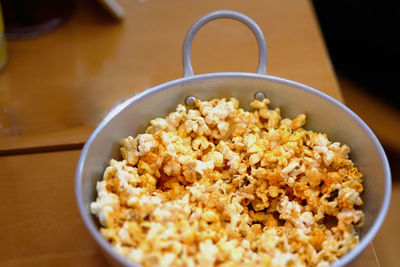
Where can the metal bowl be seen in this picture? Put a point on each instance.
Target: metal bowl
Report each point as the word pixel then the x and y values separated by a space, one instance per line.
pixel 324 114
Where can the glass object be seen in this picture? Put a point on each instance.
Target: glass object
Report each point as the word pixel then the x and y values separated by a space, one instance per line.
pixel 3 48
pixel 30 18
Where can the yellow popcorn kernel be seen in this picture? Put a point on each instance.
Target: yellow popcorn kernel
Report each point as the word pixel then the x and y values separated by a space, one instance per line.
pixel 299 121
pixel 260 173
pixel 144 167
pixel 239 129
pixel 317 236
pixel 315 176
pixel 133 228
pixel 175 247
pixel 151 158
pixel 286 122
pixel 200 143
pixel 271 221
pixel 172 168
pixel 333 178
pixel 356 185
pixel 234 102
pixel 273 117
pixel 215 157
pixel 243 167
pixel 259 204
pixel 189 175
pixel 110 172
pixel 255 149
pixel 257 104
pixel 250 140
pixel 255 158
pixel 216 175
pixel 256 228
pixel 257 216
pixel 223 127
pixel 145 143
pixel 210 216
pixel 299 189
pixel 273 191
pixel 159 124
pixel 109 233
pixel 148 181
pixel 128 150
pixel 266 261
pixel 174 119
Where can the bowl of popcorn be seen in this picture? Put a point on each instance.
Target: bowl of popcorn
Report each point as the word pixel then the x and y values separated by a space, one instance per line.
pixel 232 169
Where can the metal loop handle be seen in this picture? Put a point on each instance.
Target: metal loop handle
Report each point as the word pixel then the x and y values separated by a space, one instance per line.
pixel 187 44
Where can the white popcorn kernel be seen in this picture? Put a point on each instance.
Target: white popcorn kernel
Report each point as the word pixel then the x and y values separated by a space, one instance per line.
pixel 218 185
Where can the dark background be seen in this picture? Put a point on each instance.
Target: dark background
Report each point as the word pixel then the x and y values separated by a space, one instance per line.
pixel 363 42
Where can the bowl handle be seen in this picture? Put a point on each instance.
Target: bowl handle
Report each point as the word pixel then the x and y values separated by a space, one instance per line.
pixel 187 44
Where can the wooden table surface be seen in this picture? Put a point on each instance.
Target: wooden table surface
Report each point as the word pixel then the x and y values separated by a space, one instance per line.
pixel 57 87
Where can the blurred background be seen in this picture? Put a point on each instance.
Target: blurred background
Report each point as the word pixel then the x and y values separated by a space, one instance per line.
pixel 361 38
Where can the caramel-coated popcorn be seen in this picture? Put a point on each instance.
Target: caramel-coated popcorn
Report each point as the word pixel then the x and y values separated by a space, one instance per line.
pixel 217 185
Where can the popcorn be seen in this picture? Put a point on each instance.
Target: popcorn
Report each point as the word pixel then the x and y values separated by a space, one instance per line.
pixel 299 121
pixel 128 150
pixel 217 185
pixel 146 142
pixel 106 204
pixel 214 156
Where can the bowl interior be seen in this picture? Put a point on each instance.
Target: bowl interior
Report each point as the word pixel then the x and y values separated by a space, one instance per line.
pixel 323 114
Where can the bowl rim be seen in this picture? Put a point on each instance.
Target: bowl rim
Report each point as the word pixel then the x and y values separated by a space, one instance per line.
pixel 346 259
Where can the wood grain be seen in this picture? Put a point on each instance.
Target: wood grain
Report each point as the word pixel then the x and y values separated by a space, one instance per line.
pixel 71 138
pixel 387 241
pixel 40 224
pixel 71 77
pixel 57 87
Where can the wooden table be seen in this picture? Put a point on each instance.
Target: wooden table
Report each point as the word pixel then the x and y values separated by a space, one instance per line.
pixel 56 88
